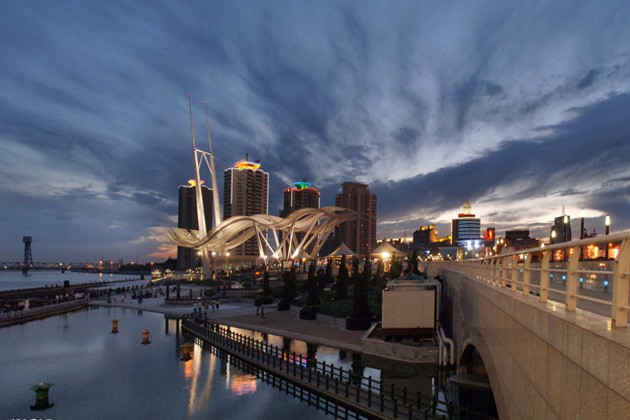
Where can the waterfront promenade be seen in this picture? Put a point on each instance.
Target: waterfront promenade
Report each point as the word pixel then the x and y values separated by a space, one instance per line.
pixel 242 314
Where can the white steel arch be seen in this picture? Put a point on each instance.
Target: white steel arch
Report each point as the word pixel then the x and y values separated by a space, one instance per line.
pixel 315 224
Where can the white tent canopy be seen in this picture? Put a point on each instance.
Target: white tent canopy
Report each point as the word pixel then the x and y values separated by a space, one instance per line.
pixel 389 248
pixel 341 250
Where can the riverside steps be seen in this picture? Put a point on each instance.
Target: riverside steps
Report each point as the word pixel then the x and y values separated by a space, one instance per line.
pixel 358 396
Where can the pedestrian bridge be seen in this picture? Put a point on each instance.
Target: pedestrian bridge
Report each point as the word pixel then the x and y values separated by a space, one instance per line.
pixel 549 329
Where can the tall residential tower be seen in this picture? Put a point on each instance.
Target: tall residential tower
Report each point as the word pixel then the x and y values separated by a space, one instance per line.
pixel 359 235
pixel 245 193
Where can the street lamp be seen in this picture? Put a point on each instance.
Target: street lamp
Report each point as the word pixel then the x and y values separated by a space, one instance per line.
pixel 607 222
pixel 581 233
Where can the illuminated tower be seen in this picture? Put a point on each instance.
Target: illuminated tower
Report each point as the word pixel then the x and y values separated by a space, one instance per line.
pixel 303 195
pixel 188 258
pixel 245 193
pixel 359 235
pixel 466 229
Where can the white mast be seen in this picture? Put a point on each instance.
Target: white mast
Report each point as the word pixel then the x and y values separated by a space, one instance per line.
pixel 201 218
pixel 213 175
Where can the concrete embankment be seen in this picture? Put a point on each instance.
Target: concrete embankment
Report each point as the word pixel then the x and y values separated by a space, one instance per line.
pixel 19 317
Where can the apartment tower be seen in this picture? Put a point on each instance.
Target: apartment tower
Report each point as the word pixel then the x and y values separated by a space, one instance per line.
pixel 358 235
pixel 245 193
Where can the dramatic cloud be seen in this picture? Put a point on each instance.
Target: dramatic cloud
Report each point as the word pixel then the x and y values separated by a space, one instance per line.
pixel 519 108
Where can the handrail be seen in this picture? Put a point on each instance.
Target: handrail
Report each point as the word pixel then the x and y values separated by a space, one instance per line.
pixel 496 268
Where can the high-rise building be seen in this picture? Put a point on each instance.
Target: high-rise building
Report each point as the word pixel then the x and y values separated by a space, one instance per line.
pixel 302 195
pixel 187 258
pixel 358 235
pixel 561 229
pixel 245 193
pixel 466 229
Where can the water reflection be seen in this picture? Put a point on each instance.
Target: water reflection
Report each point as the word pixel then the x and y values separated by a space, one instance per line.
pixel 100 375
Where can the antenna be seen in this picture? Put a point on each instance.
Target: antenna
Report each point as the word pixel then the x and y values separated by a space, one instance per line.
pixel 213 175
pixel 201 218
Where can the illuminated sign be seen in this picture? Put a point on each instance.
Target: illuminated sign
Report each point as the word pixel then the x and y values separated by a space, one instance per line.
pixel 302 185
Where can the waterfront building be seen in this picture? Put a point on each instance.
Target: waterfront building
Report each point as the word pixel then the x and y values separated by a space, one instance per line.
pixel 358 235
pixel 466 229
pixel 425 236
pixel 187 258
pixel 302 195
pixel 245 193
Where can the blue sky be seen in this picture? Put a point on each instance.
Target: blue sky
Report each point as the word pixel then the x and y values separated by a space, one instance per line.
pixel 520 108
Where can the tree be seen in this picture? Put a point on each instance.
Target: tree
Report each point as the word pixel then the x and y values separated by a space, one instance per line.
pixel 265 282
pixel 395 269
pixel 413 263
pixel 327 277
pixel 341 286
pixel 311 283
pixel 361 307
pixel 290 285
pixel 378 276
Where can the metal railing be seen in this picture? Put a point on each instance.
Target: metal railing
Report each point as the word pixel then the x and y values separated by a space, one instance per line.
pixel 364 396
pixel 532 272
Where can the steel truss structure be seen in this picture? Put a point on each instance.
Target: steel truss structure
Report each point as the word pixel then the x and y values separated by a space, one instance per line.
pixel 313 225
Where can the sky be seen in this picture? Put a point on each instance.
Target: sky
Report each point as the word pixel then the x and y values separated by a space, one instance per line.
pixel 520 108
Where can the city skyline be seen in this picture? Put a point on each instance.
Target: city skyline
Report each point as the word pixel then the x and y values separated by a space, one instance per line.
pixel 520 109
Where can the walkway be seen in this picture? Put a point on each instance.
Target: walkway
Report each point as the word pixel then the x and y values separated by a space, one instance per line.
pixel 243 315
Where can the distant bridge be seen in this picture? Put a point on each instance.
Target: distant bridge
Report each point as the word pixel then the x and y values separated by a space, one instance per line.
pixel 38 265
pixel 544 358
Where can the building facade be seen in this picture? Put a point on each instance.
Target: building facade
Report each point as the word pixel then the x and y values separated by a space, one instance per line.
pixel 466 229
pixel 245 193
pixel 359 235
pixel 425 236
pixel 302 195
pixel 187 258
pixel 561 230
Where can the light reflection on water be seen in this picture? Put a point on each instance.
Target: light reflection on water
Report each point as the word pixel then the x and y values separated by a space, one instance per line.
pixel 97 374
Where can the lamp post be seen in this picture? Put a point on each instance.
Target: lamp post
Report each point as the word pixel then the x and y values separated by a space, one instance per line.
pixel 581 233
pixel 607 222
pixel 553 241
pixel 566 236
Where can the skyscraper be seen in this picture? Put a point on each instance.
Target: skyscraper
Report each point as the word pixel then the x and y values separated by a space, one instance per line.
pixel 303 195
pixel 245 193
pixel 187 218
pixel 359 235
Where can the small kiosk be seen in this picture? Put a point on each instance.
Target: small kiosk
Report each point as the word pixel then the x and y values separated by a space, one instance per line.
pixel 410 307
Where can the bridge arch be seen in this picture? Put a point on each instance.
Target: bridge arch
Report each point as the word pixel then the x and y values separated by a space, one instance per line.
pixel 476 363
